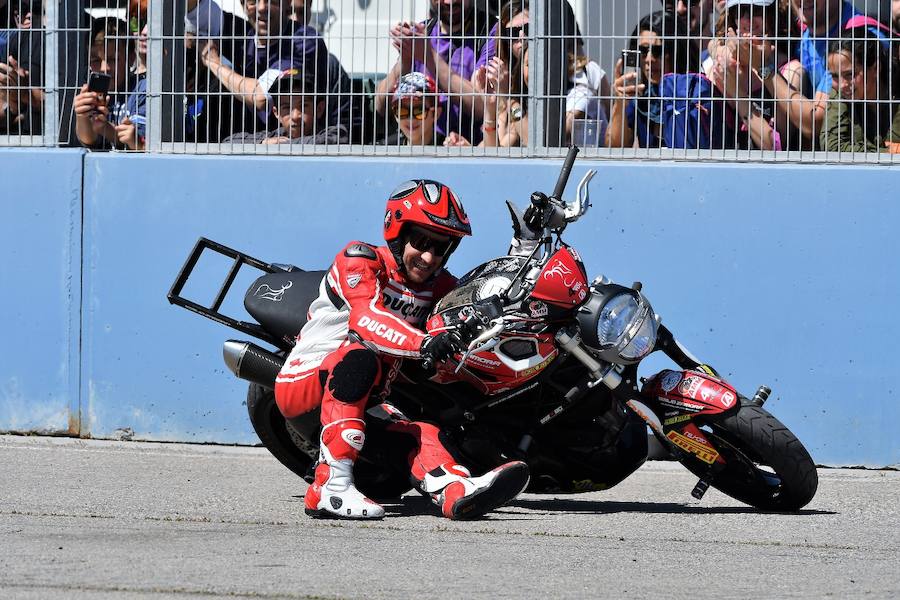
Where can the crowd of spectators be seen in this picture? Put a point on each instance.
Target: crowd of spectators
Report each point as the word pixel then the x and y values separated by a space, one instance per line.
pixel 735 74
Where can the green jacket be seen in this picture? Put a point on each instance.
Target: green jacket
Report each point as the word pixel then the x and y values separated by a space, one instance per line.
pixel 853 127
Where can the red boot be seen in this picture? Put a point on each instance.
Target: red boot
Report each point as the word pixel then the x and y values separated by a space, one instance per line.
pixel 333 494
pixel 460 496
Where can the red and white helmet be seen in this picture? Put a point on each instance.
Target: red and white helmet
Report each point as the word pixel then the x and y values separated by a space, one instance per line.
pixel 428 204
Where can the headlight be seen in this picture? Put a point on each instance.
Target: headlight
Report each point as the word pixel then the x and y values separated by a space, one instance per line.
pixel 619 323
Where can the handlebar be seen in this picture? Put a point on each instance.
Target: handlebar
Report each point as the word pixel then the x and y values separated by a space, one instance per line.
pixel 564 174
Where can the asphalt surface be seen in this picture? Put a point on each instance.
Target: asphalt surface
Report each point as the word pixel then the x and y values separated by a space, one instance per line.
pixel 91 519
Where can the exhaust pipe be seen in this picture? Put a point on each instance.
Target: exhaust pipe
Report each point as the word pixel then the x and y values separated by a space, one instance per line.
pixel 252 363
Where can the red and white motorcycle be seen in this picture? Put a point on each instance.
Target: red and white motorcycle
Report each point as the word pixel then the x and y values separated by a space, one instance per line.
pixel 551 377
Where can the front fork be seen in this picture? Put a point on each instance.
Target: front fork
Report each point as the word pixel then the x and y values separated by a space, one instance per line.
pixel 678 432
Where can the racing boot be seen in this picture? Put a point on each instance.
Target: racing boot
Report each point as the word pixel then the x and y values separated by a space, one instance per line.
pixel 461 496
pixel 333 494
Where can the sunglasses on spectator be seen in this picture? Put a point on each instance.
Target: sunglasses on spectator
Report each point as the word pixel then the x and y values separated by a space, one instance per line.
pixel 517 32
pixel 655 49
pixel 423 241
pixel 418 111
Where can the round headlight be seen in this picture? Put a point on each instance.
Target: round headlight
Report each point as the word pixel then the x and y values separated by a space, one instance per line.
pixel 618 323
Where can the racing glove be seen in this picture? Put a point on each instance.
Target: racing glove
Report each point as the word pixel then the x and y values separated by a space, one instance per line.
pixel 440 347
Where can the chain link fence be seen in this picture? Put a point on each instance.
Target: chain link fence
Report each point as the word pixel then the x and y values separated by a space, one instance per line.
pixel 762 80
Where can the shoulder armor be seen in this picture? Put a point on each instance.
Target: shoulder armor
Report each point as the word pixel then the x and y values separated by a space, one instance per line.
pixel 360 250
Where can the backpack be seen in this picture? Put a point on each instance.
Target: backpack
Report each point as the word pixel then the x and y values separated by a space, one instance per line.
pixel 694 115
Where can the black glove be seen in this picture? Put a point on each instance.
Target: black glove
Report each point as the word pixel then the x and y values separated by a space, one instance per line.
pixel 535 214
pixel 440 347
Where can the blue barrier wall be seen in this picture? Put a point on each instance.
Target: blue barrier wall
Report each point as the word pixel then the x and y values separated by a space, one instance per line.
pixel 40 289
pixel 783 275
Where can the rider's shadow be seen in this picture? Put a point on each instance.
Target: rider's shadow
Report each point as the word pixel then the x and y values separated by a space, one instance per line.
pixel 571 505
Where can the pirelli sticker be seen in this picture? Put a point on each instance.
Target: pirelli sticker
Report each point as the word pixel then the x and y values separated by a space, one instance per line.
pixel 694 446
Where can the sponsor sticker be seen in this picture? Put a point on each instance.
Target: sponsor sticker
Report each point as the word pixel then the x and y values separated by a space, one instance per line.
pixel 727 399
pixel 689 386
pixel 700 450
pixel 537 368
pixel 537 309
pixel 677 419
pixel 670 380
pixel 407 204
pixel 354 279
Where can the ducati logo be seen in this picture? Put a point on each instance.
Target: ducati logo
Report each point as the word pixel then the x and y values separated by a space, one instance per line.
pixel 353 280
pixel 267 292
pixel 559 269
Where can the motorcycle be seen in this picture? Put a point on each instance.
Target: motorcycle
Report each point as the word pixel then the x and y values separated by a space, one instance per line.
pixel 549 376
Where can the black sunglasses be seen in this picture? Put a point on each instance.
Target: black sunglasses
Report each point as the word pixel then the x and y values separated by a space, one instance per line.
pixel 656 50
pixel 425 242
pixel 514 33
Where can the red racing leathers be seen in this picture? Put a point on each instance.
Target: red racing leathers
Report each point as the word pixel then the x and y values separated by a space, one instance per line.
pixel 365 293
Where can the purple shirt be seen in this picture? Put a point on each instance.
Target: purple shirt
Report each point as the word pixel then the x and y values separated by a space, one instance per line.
pixel 465 55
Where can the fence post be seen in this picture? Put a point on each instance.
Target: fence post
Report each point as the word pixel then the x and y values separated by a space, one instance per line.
pixel 155 75
pixel 537 75
pixel 51 75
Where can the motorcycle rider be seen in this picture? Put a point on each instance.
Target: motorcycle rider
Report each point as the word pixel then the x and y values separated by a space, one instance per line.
pixel 368 316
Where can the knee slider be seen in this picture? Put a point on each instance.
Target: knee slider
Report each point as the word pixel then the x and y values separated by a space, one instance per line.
pixel 354 376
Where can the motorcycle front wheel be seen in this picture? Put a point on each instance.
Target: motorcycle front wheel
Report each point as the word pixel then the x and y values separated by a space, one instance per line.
pixel 766 466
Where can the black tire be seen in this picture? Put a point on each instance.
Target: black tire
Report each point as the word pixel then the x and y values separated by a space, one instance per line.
pixel 298 454
pixel 767 467
pixel 274 431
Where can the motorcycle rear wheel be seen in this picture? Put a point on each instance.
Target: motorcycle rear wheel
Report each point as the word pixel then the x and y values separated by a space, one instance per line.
pixel 766 467
pixel 286 444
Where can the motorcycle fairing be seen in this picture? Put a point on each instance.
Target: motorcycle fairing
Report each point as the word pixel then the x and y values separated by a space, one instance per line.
pixel 514 360
pixel 562 281
pixel 690 392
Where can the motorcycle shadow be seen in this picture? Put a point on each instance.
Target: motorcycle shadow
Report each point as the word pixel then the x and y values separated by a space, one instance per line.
pixel 570 505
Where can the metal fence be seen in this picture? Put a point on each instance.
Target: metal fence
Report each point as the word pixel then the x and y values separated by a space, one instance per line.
pixel 769 80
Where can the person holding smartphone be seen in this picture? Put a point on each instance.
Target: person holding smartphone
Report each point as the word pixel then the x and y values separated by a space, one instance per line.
pixel 110 110
pixel 636 107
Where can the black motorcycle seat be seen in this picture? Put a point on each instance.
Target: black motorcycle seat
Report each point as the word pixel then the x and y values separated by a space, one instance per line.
pixel 280 301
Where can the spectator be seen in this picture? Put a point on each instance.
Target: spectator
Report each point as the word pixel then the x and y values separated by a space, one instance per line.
pixel 864 113
pixel 752 102
pixel 271 44
pixel 140 29
pixel 502 84
pixel 449 47
pixel 589 96
pixel 21 69
pixel 209 114
pixel 417 111
pixel 117 119
pixel 809 84
pixel 299 107
pixel 637 107
pixel 895 15
pixel 694 25
pixel 339 107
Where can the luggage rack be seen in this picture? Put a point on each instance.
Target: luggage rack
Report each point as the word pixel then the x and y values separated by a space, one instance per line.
pixel 212 311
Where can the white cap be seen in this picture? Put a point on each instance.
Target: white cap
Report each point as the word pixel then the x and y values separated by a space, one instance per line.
pixel 763 3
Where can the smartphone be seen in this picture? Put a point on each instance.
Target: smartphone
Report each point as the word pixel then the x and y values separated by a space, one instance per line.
pixel 99 82
pixel 631 63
